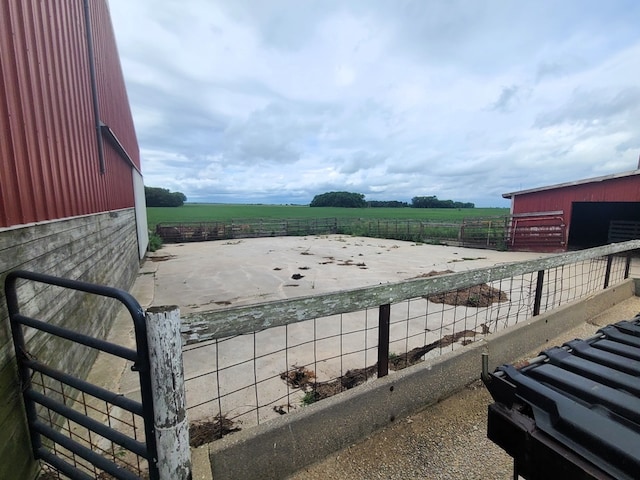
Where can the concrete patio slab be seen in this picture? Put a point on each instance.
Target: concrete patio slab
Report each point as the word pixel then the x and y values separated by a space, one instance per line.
pixel 212 275
pixel 209 275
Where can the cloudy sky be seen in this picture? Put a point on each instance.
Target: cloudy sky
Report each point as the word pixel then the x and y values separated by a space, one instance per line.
pixel 277 101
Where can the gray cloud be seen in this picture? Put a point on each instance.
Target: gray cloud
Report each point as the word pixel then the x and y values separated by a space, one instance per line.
pixel 593 107
pixel 507 100
pixel 282 100
pixel 549 69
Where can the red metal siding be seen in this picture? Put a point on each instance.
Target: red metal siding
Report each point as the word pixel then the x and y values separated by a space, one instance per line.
pixel 623 189
pixel 112 93
pixel 49 164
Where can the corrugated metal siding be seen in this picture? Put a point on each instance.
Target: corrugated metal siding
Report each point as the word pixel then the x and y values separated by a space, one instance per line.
pixel 111 86
pixel 49 164
pixel 625 189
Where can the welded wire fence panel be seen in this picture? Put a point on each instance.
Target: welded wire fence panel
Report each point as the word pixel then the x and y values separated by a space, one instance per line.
pixel 250 378
pixel 247 379
pixel 239 381
pixel 571 282
pixel 101 411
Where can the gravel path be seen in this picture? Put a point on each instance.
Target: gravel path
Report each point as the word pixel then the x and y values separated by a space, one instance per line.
pixel 446 441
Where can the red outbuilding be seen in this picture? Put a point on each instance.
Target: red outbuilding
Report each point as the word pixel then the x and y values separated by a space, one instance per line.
pixel 574 215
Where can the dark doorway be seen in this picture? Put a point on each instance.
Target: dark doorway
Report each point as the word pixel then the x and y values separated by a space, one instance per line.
pixel 590 221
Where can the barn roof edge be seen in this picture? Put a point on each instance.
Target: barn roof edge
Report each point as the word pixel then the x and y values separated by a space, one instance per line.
pixel 571 184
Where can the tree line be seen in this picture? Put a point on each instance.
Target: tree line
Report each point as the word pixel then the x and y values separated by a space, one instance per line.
pixel 433 202
pixel 162 197
pixel 356 200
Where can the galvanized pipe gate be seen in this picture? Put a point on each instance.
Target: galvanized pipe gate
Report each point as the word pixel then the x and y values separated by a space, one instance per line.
pixel 37 401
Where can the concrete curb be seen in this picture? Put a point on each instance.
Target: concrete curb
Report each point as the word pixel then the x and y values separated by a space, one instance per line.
pixel 281 446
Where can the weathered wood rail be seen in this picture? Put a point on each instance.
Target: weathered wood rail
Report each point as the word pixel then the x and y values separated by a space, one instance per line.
pixel 205 326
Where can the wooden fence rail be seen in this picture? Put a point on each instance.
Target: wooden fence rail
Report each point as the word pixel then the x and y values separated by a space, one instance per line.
pixel 205 326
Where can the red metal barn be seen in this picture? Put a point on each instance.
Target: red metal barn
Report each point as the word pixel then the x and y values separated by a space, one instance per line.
pixel 71 190
pixel 575 215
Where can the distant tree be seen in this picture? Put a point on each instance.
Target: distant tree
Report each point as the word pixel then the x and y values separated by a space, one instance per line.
pixel 162 197
pixel 339 199
pixel 424 202
pixel 433 202
pixel 386 204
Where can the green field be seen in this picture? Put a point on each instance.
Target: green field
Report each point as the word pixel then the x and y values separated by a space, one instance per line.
pixel 224 212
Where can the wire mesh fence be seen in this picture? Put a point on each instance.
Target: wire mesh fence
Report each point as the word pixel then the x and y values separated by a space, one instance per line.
pixel 130 464
pixel 320 347
pixel 490 232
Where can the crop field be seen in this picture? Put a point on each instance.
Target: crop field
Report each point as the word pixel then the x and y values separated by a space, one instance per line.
pixel 226 212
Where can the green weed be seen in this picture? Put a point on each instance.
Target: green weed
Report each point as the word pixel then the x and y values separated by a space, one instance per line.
pixel 155 242
pixel 309 398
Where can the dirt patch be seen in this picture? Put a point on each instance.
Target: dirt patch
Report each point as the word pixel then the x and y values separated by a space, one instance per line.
pixel 398 362
pixel 358 376
pixel 305 379
pixel 298 377
pixel 161 258
pixel 282 409
pixel 206 431
pixel 349 263
pixel 477 296
pixel 466 259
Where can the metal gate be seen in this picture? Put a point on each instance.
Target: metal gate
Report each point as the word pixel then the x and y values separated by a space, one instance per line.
pixel 490 232
pixel 66 415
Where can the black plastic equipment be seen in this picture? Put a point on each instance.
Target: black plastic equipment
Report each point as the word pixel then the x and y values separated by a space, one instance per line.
pixel 574 411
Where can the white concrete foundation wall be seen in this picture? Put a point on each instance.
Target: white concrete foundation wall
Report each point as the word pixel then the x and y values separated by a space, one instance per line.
pixel 279 447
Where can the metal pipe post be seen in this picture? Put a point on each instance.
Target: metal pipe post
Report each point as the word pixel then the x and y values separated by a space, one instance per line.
pixel 538 296
pixel 607 275
pixel 383 339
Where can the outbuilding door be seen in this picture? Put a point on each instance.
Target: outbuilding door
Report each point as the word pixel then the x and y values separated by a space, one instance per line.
pixel 591 221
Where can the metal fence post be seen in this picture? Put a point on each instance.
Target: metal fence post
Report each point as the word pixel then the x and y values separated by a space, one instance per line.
pixel 383 339
pixel 538 296
pixel 167 382
pixel 627 266
pixel 607 274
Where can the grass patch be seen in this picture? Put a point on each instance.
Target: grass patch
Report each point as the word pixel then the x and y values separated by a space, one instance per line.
pixel 225 212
